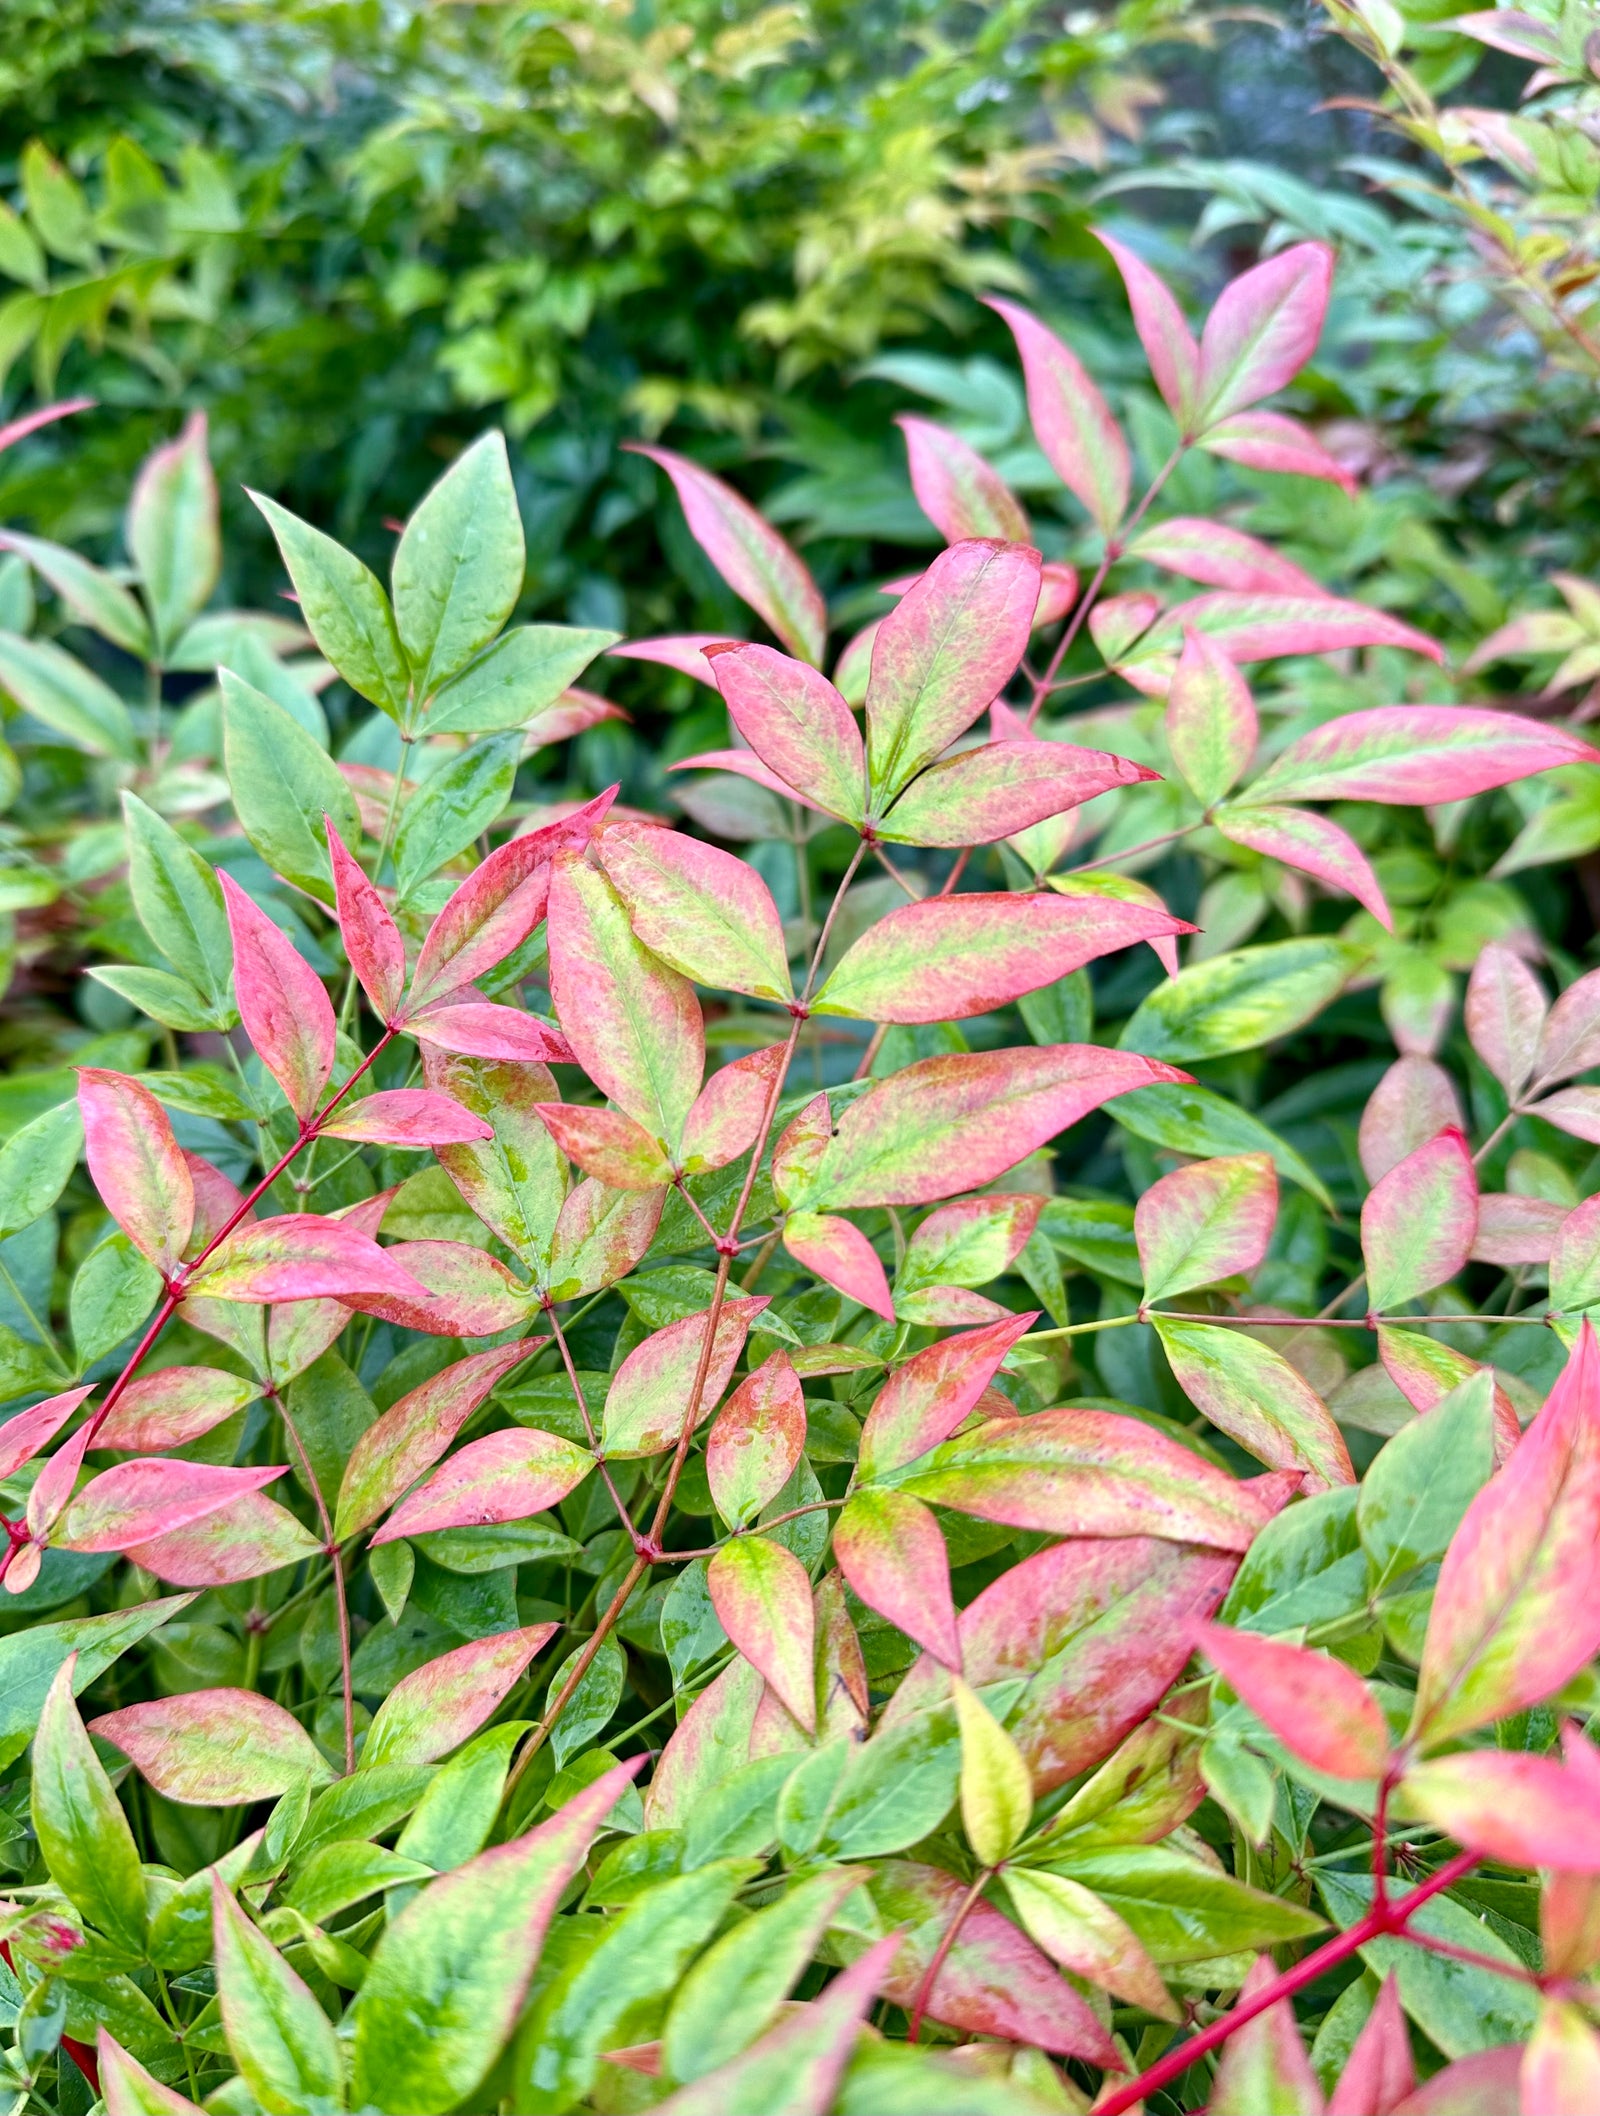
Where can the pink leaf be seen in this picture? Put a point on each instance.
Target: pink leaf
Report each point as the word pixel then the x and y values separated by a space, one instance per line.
pixel 170 1408
pixel 944 654
pixel 286 1012
pixel 889 1547
pixel 650 1392
pixel 1569 1041
pixel 1261 628
pixel 1415 755
pixel 1220 557
pixel 1265 2064
pixel 607 1144
pixel 706 914
pixel 748 552
pixel 1379 2073
pixel 406 1116
pixel 1168 342
pixel 1413 1102
pixel 747 765
pixel 1058 591
pixel 1300 838
pixel 798 725
pixel 435 1708
pixel 137 1165
pixel 600 1236
pixel 923 1402
pixel 23 1434
pixel 1425 1369
pixel 729 1111
pixel 215 1748
pixel 985 794
pixel 16 430
pixel 1521 1809
pixel 503 1477
pixel 762 1596
pixel 1419 1222
pixel 956 489
pixel 300 1256
pixel 1317 1707
pixel 1209 1221
pixel 451 1290
pixel 1211 721
pixel 758 1437
pixel 372 943
pixel 1263 330
pixel 52 1489
pixel 841 1256
pixel 1071 420
pixel 1515 1230
pixel 134 1501
pixel 1266 440
pixel 1575 1110
pixel 251 1536
pixel 1560 2073
pixel 476 1028
pixel 684 651
pixel 1505 1013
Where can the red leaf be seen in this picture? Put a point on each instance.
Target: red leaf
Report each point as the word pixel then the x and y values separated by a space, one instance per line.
pixel 1419 1222
pixel 478 1029
pixel 169 1409
pixel 607 1144
pixel 1071 420
pixel 683 651
pixel 214 1748
pixel 1317 1707
pixel 1263 330
pixel 956 489
pixel 300 1256
pixel 1299 838
pixel 1220 557
pixel 435 1708
pixel 798 725
pixel 990 793
pixel 1379 2073
pixel 731 1108
pixel 1265 2064
pixel 137 1165
pixel 889 1547
pixel 762 1596
pixel 842 1256
pixel 1168 342
pixel 758 1437
pixel 1266 440
pixel 406 1116
pixel 1518 1808
pixel 923 1402
pixel 135 1501
pixel 457 1291
pixel 503 1477
pixel 1415 755
pixel 1413 1102
pixel 372 942
pixel 22 1435
pixel 241 1541
pixel 1261 628
pixel 749 766
pixel 286 1012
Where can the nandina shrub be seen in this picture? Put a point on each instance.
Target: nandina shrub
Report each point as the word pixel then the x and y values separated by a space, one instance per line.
pixel 587 1576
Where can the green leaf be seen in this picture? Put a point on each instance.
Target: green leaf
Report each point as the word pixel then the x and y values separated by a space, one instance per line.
pixel 165 998
pixel 83 1834
pixel 1182 1910
pixel 113 1292
pixel 1237 1002
pixel 90 593
pixel 1193 1120
pixel 66 697
pixel 179 903
pixel 30 1660
pixel 458 569
pixel 895 1789
pixel 173 532
pixel 453 807
pixel 591 1705
pixel 280 2038
pixel 1096 1233
pixel 996 1791
pixel 1415 1493
pixel 1257 1397
pixel 518 676
pixel 1305 1567
pixel 346 609
pixel 283 785
pixel 35 1163
pixel 452 1820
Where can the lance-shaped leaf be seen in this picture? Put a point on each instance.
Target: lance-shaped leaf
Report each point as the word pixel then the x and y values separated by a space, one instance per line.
pixel 515 1183
pixel 477 1029
pixel 1085 1936
pixel 215 1748
pixel 1253 1394
pixel 1412 754
pixel 1263 329
pixel 1317 1707
pixel 458 567
pixel 1264 2065
pixel 172 531
pixel 47 1500
pixel 634 1024
pixel 1515 1230
pixel 1380 2071
pixel 179 903
pixel 54 687
pixel 1259 628
pixel 702 911
pixel 136 1164
pixel 415 1432
pixel 890 1549
pixel 1211 721
pixel 1419 1222
pixel 955 1123
pixel 944 654
pixel 436 1708
pixel 841 1256
pixel 1299 838
pixel 758 1437
pixel 924 1401
pixel 301 1256
pixel 280 2038
pixel 1505 1013
pixel 346 609
pixel 798 725
pixel 284 785
pixel 1087 1473
pixel 730 1110
pixel 1071 420
pixel 130 2090
pixel 1168 343
pixel 36 1163
pixel 1575 1260
pixel 1560 2073
pixel 961 494
pixel 455 1290
pixel 607 1144
pixel 167 1409
pixel 1220 557
pixel 954 956
pixel 503 1477
pixel 22 1435
pixel 1569 1041
pixel 600 1235
pixel 498 905
pixel 683 651
pixel 1205 1222
pixel 990 793
pixel 1425 1370
pixel 372 943
pixel 134 1501
pixel 996 1791
pixel 762 1596
pixel 526 680
pixel 745 764
pixel 1523 1810
pixel 83 1834
pixel 1238 1001
pixel 243 1540
pixel 1517 1608
pixel 1267 440
pixel 1413 1102
pixel 748 552
pixel 405 1116
pixel 94 596
pixel 283 1004
pixel 965 1244
pixel 650 1392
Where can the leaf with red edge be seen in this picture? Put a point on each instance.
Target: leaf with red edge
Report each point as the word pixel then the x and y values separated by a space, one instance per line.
pixel 600 1235
pixel 1560 2074
pixel 703 912
pixel 1264 2065
pixel 136 1164
pixel 215 1748
pixel 1575 1110
pixel 283 1004
pixel 1515 1230
pixel 799 1148
pixel 1425 1369
pixel 729 1111
pixel 1519 1809
pixel 23 1434
pixel 1517 1609
pixel 135 1501
pixel 1297 837
pixel 840 1255
pixel 748 552
pixel 762 1596
pixel 300 1256
pixel 503 1477
pixel 747 765
pixel 924 1401
pixel 890 1549
pixel 1380 2072
pixel 1319 1709
pixel 437 1707
pixel 944 654
pixel 454 1290
pixel 1267 440
pixel 986 794
pixel 1569 1041
pixel 1211 721
pixel 476 1028
pixel 417 1430
pixel 1169 344
pixel 1208 1221
pixel 1249 1391
pixel 1262 330
pixel 1220 557
pixel 1084 1935
pixel 1505 1014
pixel 1261 628
pixel 1419 1222
pixel 800 728
pixel 961 494
pixel 683 651
pixel 498 905
pixel 634 1024
pixel 48 1497
pixel 968 1243
pixel 406 1116
pixel 1415 755
pixel 1071 420
pixel 607 1144
pixel 372 944
pixel 251 1536
pixel 168 1409
pixel 129 2090
pixel 1413 1102
pixel 650 1392
pixel 516 1182
pixel 758 1437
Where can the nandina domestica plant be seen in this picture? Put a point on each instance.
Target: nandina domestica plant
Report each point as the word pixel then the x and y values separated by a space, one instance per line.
pixel 638 1604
